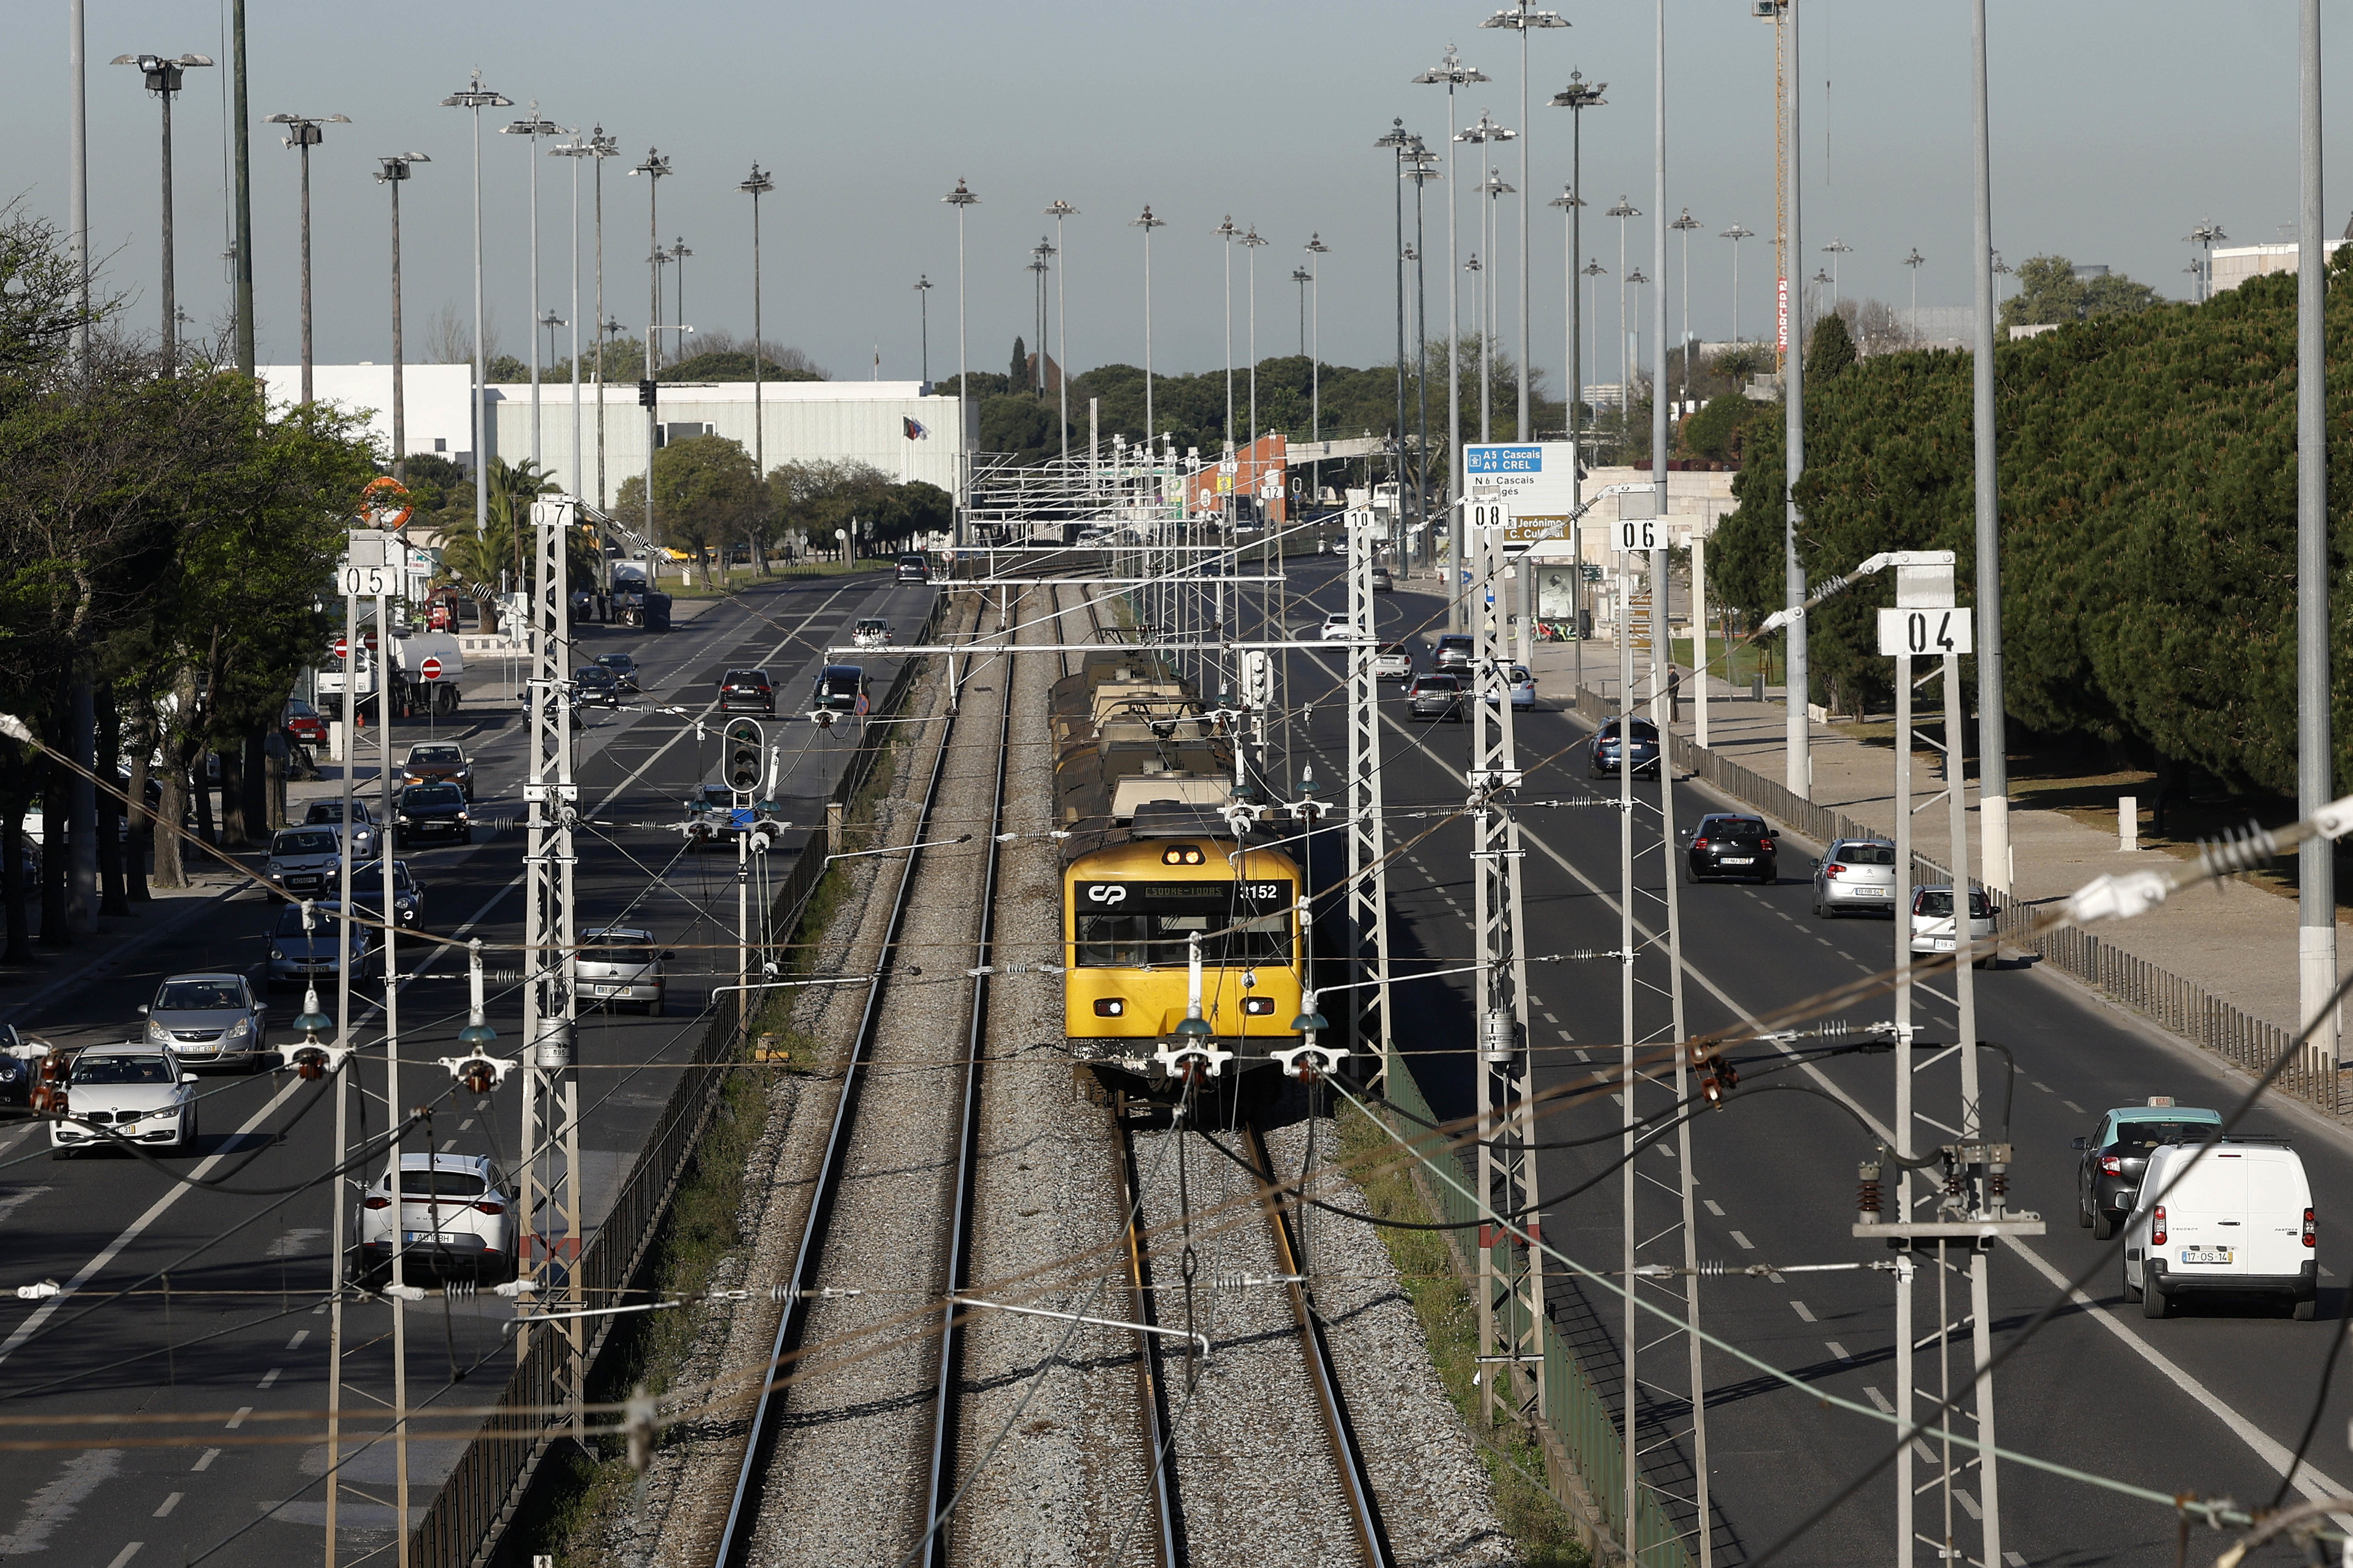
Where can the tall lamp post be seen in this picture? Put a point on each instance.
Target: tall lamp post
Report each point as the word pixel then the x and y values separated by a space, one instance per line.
pixel 1915 261
pixel 1298 275
pixel 1227 233
pixel 1495 189
pixel 1577 96
pixel 655 169
pixel 393 173
pixel 1396 139
pixel 302 133
pixel 1041 263
pixel 1593 272
pixel 2206 236
pixel 1452 73
pixel 576 150
pixel 1621 211
pixel 1736 234
pixel 164 78
pixel 1834 249
pixel 477 97
pixel 1522 19
pixel 922 287
pixel 1252 243
pixel 2314 767
pixel 757 186
pixel 535 125
pixel 1316 251
pixel 678 253
pixel 960 198
pixel 1147 223
pixel 1057 212
pixel 1683 226
pixel 600 147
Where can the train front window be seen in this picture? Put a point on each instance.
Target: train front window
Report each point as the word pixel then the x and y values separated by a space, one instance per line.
pixel 1151 925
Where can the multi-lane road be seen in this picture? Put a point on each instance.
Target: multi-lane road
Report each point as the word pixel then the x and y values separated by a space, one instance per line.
pixel 2208 1403
pixel 226 1252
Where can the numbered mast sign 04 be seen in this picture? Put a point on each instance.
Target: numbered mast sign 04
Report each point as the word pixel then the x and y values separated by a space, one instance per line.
pixel 1927 633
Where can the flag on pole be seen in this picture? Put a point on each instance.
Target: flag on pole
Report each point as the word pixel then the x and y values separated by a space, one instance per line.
pixel 914 429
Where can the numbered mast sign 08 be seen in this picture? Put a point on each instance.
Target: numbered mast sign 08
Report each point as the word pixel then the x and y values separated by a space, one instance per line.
pixel 1927 633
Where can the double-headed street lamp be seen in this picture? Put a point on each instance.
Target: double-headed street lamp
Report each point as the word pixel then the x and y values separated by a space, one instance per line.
pixel 2205 237
pixel 1479 135
pixel 477 97
pixel 164 77
pixel 1915 261
pixel 393 173
pixel 1147 223
pixel 1522 19
pixel 1577 96
pixel 302 133
pixel 1834 249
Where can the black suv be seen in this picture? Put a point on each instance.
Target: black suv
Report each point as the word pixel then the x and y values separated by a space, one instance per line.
pixel 1728 846
pixel 840 688
pixel 592 684
pixel 914 569
pixel 424 809
pixel 624 668
pixel 747 691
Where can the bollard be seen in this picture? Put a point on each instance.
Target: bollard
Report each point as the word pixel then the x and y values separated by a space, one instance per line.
pixel 2128 824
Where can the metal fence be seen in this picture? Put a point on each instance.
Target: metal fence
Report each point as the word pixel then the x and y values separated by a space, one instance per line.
pixel 463 1522
pixel 1578 1419
pixel 2170 1000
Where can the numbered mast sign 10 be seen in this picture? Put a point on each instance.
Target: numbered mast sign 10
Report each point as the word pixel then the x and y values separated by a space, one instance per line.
pixel 1926 633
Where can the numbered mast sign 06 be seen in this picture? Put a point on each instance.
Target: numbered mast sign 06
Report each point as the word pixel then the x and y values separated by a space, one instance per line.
pixel 1636 535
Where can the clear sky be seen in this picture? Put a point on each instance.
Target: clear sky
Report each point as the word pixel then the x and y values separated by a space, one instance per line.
pixel 2117 128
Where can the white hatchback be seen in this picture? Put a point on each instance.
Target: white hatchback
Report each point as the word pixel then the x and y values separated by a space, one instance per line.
pixel 456 1216
pixel 1932 923
pixel 1338 627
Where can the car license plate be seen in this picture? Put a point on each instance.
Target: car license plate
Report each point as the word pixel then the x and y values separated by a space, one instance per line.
pixel 1735 861
pixel 1944 944
pixel 1869 892
pixel 605 990
pixel 2205 1255
pixel 425 1238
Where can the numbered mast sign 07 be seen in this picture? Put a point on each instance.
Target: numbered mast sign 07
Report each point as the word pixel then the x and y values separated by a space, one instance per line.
pixel 1927 633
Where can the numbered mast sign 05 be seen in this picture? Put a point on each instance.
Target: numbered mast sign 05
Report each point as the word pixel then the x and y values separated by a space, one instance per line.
pixel 1927 633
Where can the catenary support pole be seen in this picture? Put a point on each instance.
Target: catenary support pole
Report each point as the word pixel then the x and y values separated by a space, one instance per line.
pixel 1993 761
pixel 2315 777
pixel 241 140
pixel 1799 740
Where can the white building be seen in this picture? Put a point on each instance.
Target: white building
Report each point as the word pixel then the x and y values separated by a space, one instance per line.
pixel 2233 265
pixel 892 426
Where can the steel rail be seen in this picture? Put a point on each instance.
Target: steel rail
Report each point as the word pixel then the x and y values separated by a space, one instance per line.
pixel 941 1489
pixel 1355 1485
pixel 736 1540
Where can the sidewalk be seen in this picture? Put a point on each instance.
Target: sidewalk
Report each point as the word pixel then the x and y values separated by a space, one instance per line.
pixel 2237 941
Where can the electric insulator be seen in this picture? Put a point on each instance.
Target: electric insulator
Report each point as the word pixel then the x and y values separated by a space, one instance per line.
pixel 477 1078
pixel 310 1063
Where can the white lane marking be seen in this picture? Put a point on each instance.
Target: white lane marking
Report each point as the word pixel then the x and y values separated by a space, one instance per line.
pixel 2309 1480
pixel 1564 1033
pixel 1804 1313
pixel 1550 1019
pixel 296 1342
pixel 467 1125
pixel 55 1503
pixel 1838 1350
pixel 126 1554
pixel 1879 1399
pixel 155 1211
pixel 169 1503
pixel 1968 1504
pixel 11 1202
pixel 2073 1106
pixel 269 1377
pixel 2043 1086
pixel 2012 1559
pixel 1713 1207
pixel 1745 1245
pixel 205 1463
pixel 237 1420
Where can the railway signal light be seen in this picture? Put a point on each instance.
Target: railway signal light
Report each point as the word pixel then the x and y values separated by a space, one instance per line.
pixel 741 745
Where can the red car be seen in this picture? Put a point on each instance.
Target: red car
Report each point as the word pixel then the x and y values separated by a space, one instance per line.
pixel 304 723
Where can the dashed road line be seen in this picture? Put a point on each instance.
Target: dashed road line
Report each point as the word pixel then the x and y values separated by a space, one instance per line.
pixel 1745 1245
pixel 169 1503
pixel 1713 1207
pixel 1803 1312
pixel 1838 1350
pixel 206 1462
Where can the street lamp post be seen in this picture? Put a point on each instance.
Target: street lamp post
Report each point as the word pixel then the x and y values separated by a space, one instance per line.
pixel 1422 168
pixel 1915 261
pixel 393 173
pixel 757 186
pixel 1577 96
pixel 1316 251
pixel 2206 236
pixel 1041 264
pixel 1522 19
pixel 1621 211
pixel 1396 139
pixel 678 253
pixel 302 133
pixel 164 78
pixel 575 149
pixel 2314 766
pixel 1252 243
pixel 655 168
pixel 1057 212
pixel 1736 234
pixel 1227 233
pixel 1454 73
pixel 600 148
pixel 1835 249
pixel 536 126
pixel 1495 187
pixel 1633 360
pixel 1147 223
pixel 477 97
pixel 1593 272
pixel 922 287
pixel 1298 275
pixel 1684 225
pixel 960 198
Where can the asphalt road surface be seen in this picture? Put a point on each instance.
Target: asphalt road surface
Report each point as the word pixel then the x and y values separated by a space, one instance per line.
pixel 227 1314
pixel 2210 1402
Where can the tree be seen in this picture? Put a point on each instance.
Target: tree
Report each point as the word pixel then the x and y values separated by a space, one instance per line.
pixel 1019 378
pixel 706 492
pixel 1717 430
pixel 2049 291
pixel 1829 350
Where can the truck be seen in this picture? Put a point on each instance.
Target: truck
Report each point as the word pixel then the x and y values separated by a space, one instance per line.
pixel 415 691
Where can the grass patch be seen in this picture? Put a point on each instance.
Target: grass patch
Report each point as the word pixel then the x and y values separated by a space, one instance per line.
pixel 1546 1534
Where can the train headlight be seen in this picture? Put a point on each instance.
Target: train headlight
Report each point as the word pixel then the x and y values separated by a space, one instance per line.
pixel 1182 854
pixel 1258 1006
pixel 1110 1008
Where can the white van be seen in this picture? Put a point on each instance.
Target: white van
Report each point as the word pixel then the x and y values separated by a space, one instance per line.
pixel 2234 1219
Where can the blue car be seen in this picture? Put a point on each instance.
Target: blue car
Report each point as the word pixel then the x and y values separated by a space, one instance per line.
pixel 1643 744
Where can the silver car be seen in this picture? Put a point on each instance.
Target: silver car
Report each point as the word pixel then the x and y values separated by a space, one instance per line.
pixel 305 859
pixel 126 1092
pixel 303 948
pixel 620 964
pixel 1932 923
pixel 208 1018
pixel 1855 875
pixel 330 813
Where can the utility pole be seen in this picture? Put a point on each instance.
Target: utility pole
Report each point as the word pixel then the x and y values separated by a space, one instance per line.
pixel 241 141
pixel 2315 774
pixel 1368 903
pixel 391 175
pixel 551 1097
pixel 1799 740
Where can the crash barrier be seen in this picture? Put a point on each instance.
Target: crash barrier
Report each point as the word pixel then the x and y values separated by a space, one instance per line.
pixel 461 1527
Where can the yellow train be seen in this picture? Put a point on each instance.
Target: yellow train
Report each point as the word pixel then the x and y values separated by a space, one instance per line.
pixel 1167 917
